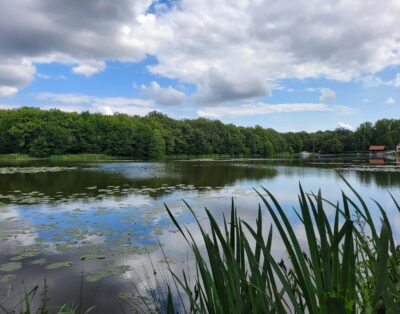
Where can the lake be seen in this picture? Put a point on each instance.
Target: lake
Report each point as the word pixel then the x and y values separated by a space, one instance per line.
pixel 92 231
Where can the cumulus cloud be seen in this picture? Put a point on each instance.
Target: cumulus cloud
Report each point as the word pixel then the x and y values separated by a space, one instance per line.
pixel 7 91
pixel 228 49
pixel 260 109
pixel 390 101
pixel 89 68
pixel 105 105
pixel 218 87
pixel 15 74
pixel 167 96
pixel 345 126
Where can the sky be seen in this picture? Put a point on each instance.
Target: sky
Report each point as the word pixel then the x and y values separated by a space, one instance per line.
pixel 289 65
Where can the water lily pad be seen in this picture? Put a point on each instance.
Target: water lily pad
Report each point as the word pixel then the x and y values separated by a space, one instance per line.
pixel 7 277
pixel 99 275
pixel 24 255
pixel 38 262
pixel 60 265
pixel 91 257
pixel 8 267
pixel 126 296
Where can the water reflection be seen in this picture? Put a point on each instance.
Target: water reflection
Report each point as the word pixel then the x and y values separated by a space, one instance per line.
pixel 103 218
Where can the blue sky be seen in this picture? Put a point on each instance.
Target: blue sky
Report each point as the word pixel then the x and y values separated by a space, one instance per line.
pixel 331 64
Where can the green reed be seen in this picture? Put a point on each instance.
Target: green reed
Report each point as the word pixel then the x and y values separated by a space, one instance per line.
pixel 348 265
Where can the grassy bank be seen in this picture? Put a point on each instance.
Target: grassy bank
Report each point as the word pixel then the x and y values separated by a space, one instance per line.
pixel 16 157
pixel 103 157
pixel 68 157
pixel 84 157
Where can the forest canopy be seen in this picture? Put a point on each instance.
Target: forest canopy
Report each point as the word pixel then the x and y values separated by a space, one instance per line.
pixel 42 133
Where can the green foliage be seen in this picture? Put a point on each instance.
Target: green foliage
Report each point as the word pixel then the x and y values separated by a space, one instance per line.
pixel 43 133
pixel 344 266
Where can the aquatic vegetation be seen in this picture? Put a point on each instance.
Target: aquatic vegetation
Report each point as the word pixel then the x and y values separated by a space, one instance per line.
pixel 10 267
pixel 102 274
pixel 345 266
pixel 24 255
pixel 38 262
pixel 83 157
pixel 60 265
pixel 12 170
pixel 91 257
pixel 6 278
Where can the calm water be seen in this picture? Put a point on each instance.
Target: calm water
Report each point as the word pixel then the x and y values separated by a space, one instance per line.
pixel 91 229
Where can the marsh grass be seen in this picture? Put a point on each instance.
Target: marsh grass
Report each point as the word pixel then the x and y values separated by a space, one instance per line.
pixel 15 157
pixel 84 157
pixel 348 265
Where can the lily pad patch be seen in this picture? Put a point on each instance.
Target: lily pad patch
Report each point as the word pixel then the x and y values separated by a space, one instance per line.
pixel 9 267
pixel 60 265
pixel 99 275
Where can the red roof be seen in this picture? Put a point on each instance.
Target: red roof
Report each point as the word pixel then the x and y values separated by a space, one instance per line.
pixel 377 148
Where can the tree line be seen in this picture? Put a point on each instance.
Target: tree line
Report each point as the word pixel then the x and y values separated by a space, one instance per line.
pixel 42 133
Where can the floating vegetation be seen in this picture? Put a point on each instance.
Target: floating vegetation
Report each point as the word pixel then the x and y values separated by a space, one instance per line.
pixel 38 262
pixel 12 170
pixel 60 265
pixel 99 275
pixel 369 168
pixel 126 296
pixel 9 267
pixel 24 255
pixel 6 278
pixel 91 257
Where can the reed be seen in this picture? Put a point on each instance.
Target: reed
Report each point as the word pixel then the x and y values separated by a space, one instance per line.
pixel 348 265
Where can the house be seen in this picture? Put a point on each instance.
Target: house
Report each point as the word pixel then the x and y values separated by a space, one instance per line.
pixel 398 148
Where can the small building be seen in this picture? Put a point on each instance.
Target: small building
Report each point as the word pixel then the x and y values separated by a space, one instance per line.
pixel 377 148
pixel 398 148
pixel 377 151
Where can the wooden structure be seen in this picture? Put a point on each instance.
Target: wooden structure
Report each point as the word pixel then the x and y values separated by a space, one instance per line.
pixel 377 148
pixel 398 148
pixel 377 151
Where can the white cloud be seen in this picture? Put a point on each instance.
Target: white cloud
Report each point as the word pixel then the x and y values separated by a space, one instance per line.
pixel 50 77
pixel 15 74
pixel 260 109
pixel 7 91
pixel 396 81
pixel 89 68
pixel 218 87
pixel 168 96
pixel 346 126
pixel 105 105
pixel 228 49
pixel 390 101
pixel 327 94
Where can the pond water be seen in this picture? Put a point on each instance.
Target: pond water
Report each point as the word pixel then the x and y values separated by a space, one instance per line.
pixel 92 231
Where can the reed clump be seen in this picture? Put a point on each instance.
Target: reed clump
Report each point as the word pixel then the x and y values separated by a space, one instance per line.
pixel 349 264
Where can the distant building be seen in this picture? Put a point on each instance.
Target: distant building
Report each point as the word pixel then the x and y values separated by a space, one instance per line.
pixel 377 148
pixel 377 151
pixel 398 148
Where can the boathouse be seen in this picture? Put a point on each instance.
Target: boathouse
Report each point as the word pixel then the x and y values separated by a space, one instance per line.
pixel 377 151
